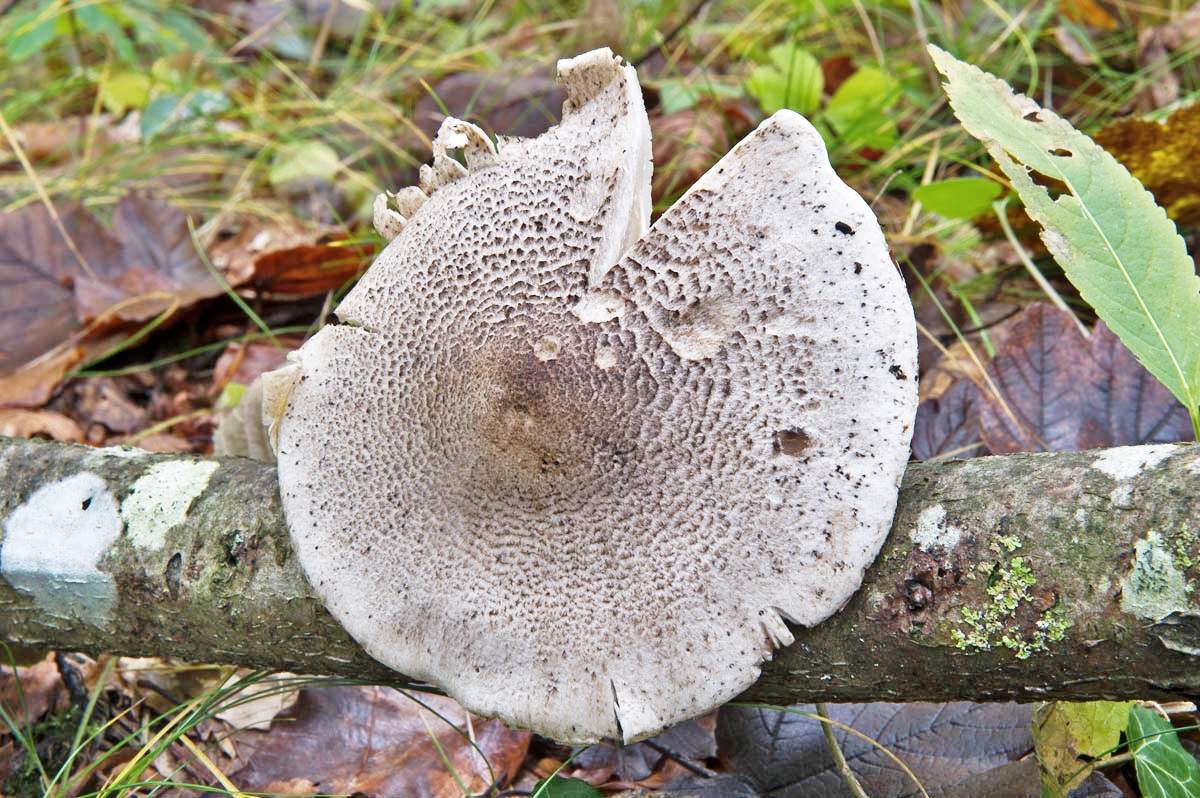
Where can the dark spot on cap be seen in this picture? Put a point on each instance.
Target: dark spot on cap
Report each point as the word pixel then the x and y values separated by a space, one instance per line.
pixel 792 442
pixel 898 372
pixel 842 227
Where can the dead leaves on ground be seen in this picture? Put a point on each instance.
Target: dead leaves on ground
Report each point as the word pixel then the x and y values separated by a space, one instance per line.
pixel 275 734
pixel 72 288
pixel 1163 157
pixel 287 260
pixel 1050 389
pixel 379 741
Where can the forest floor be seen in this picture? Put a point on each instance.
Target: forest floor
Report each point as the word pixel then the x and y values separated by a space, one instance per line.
pixel 185 194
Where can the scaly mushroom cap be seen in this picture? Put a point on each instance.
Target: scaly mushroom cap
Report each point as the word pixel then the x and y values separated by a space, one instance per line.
pixel 583 492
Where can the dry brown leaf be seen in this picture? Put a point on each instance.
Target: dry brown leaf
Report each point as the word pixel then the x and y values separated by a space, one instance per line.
pixel 500 101
pixel 1155 45
pixel 159 266
pixel 40 689
pixel 19 423
pixel 377 742
pixel 1163 156
pixel 1074 49
pixel 243 363
pixel 32 384
pixel 280 259
pixel 38 272
pixel 257 705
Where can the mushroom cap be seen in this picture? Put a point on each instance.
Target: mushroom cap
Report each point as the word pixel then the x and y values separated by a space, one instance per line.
pixel 584 491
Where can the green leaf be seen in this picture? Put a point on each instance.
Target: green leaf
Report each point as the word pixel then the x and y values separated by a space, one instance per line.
pixel 30 32
pixel 1115 244
pixel 679 95
pixel 307 161
pixel 1164 768
pixel 562 787
pixel 959 197
pixel 858 110
pixel 100 20
pixel 125 90
pixel 792 80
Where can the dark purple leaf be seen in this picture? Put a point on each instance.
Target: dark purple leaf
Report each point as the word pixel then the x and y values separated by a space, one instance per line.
pixel 784 755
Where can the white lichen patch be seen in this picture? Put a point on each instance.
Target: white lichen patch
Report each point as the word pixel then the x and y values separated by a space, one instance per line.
pixel 1155 587
pixel 53 544
pixel 932 532
pixel 161 497
pixel 1194 466
pixel 1126 462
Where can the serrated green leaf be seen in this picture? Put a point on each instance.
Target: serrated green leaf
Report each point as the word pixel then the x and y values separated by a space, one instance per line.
pixel 1115 244
pixel 793 80
pixel 1164 768
pixel 563 787
pixel 959 197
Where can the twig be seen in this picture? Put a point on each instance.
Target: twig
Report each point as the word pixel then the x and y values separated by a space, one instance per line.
pixel 839 759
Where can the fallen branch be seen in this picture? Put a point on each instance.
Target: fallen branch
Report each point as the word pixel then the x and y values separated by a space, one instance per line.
pixel 1020 577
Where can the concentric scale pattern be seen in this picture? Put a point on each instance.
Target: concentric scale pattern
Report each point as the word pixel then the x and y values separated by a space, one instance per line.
pixel 584 493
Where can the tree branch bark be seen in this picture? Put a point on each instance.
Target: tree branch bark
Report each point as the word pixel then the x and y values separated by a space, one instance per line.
pixel 1022 577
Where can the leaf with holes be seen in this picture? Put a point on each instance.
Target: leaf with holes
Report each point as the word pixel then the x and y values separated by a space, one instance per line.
pixel 1164 768
pixel 1115 244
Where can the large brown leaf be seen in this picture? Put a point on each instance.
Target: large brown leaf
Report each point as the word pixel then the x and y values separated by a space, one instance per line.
pixel 1065 392
pixel 38 272
pixel 160 267
pixel 375 741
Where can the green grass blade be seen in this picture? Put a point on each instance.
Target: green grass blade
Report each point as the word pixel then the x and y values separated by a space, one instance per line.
pixel 1115 244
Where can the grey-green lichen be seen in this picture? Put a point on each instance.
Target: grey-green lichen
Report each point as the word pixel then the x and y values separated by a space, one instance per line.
pixel 1156 586
pixel 997 624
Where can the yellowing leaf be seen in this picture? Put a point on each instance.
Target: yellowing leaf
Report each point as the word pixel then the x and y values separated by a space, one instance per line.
pixel 1163 156
pixel 125 90
pixel 1115 244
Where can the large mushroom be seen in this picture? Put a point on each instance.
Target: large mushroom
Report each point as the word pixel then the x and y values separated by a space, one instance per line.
pixel 581 475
